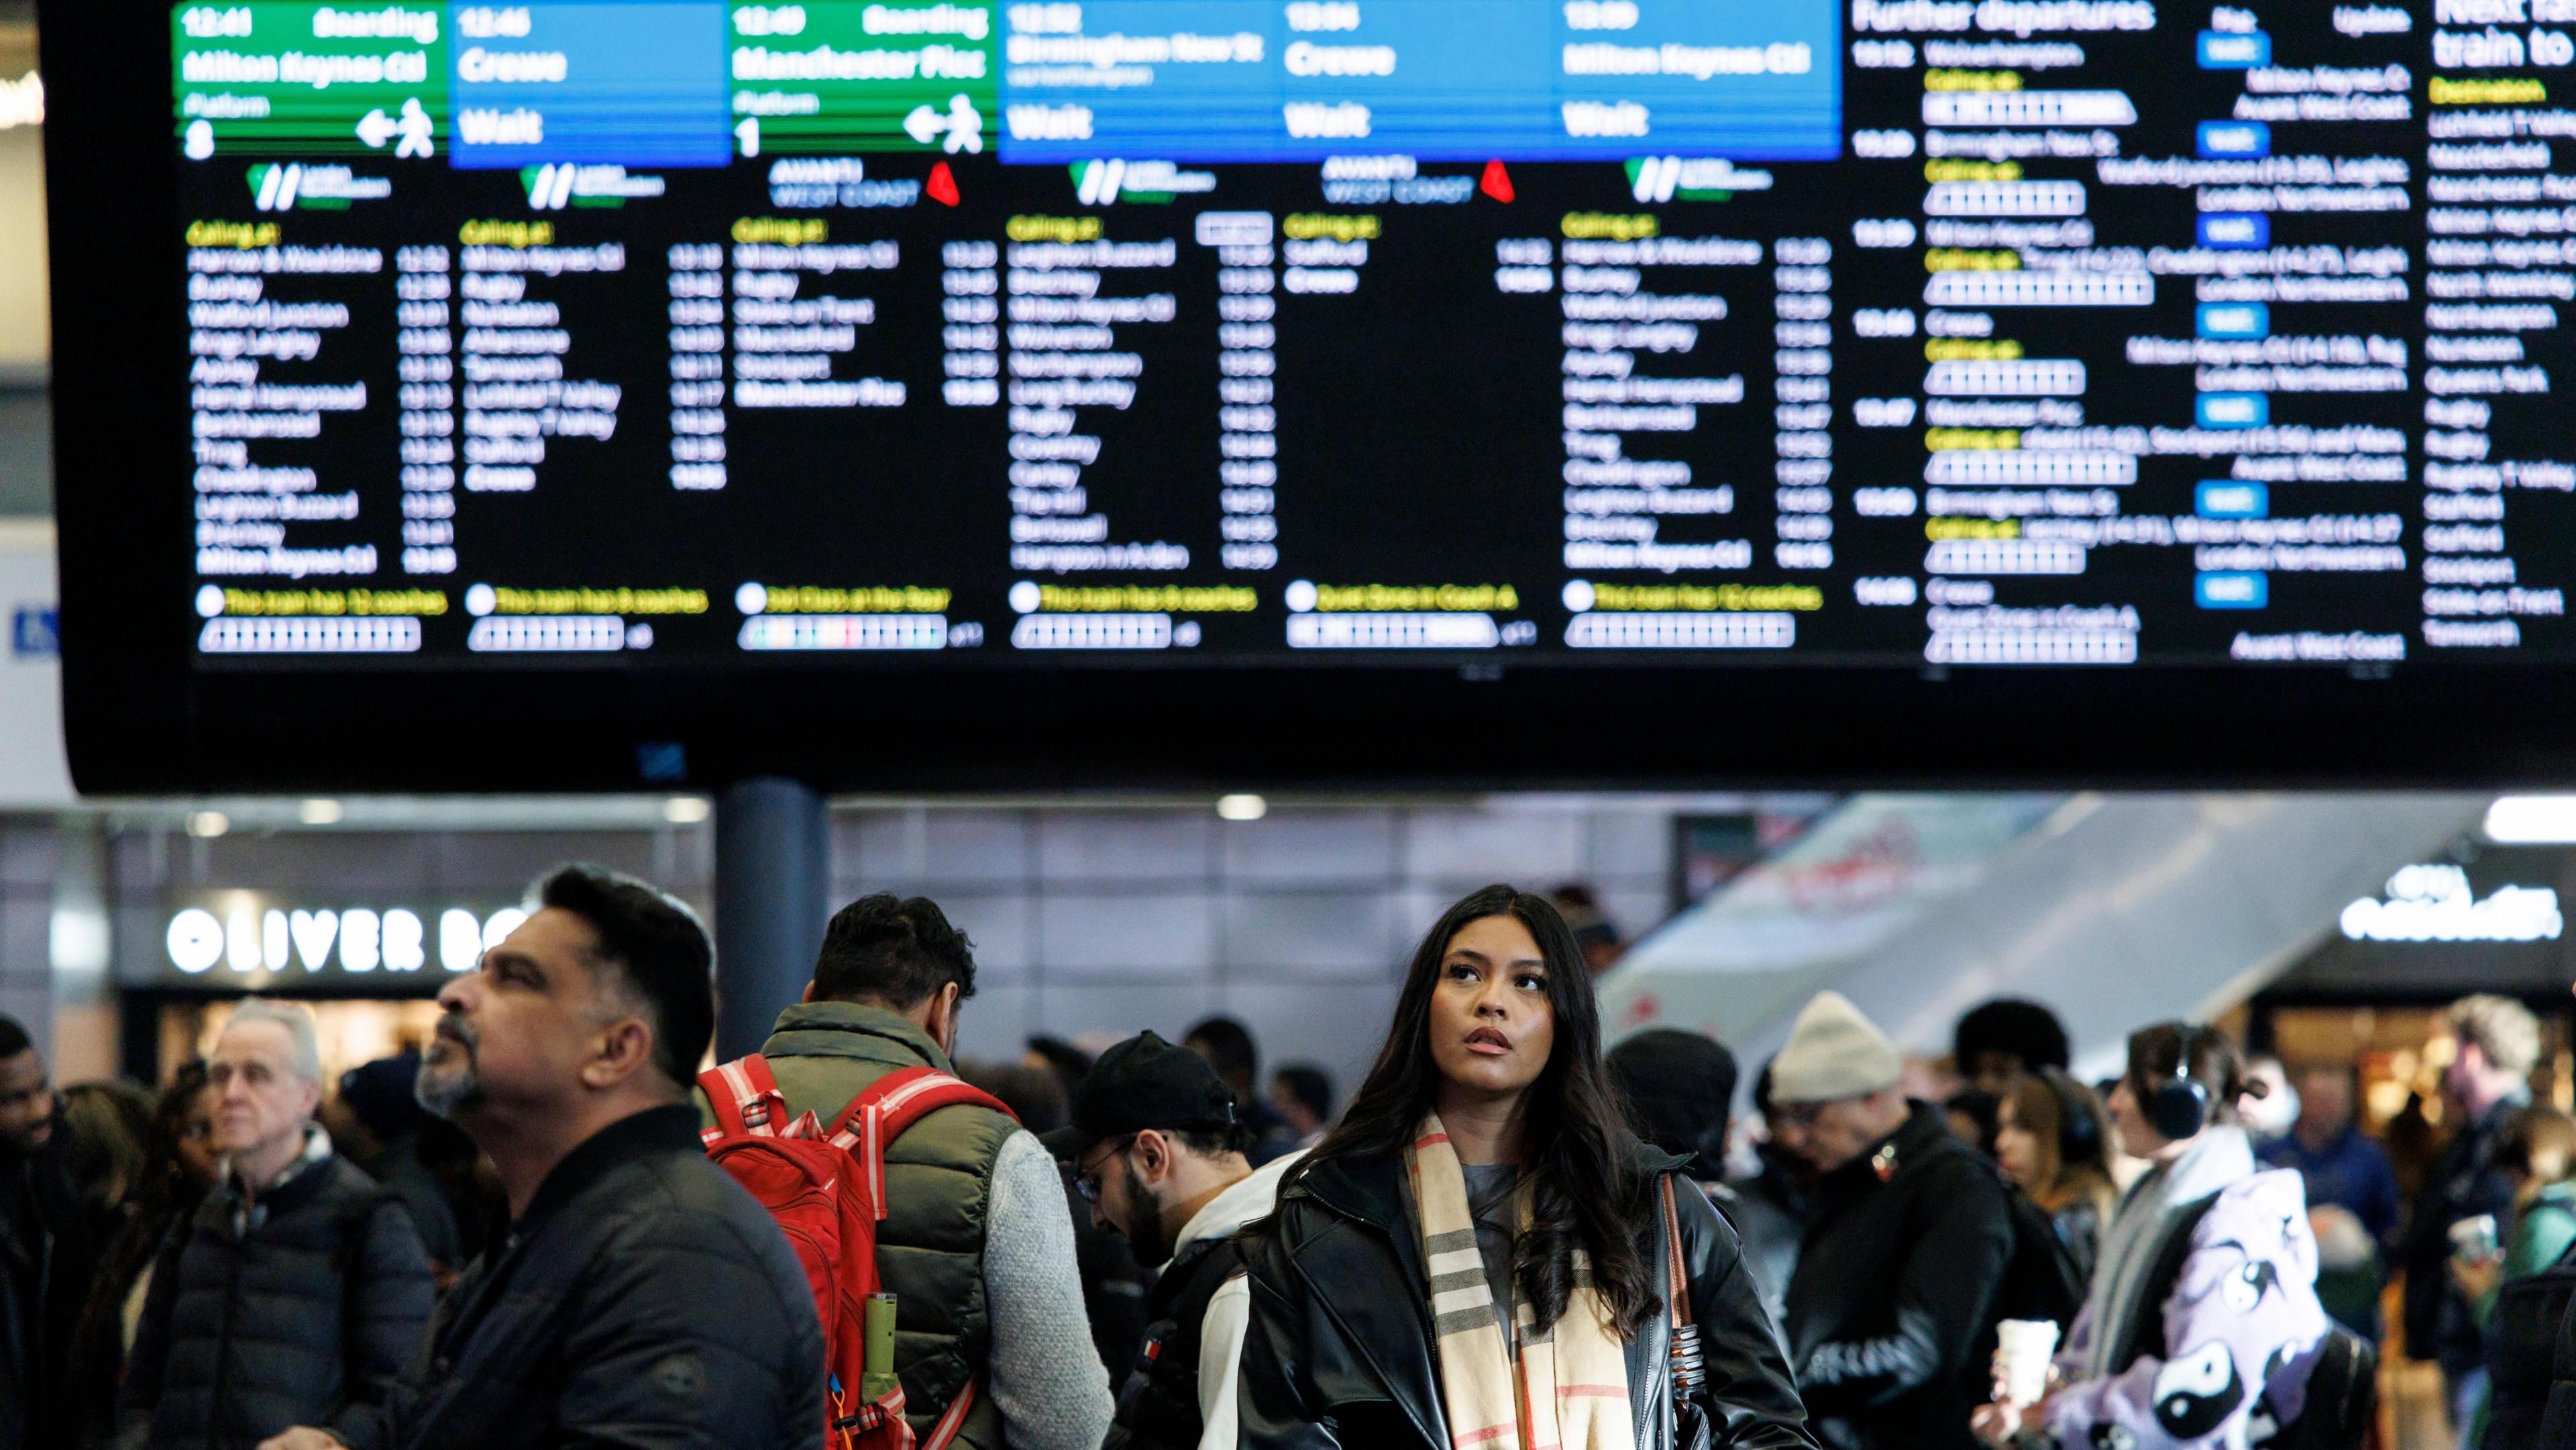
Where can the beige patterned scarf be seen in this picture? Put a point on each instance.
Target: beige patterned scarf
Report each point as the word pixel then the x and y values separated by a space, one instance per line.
pixel 1570 1388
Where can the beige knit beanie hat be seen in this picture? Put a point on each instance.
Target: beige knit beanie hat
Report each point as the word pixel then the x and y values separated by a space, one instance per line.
pixel 1833 1052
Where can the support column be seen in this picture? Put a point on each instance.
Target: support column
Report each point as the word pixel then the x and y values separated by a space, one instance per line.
pixel 773 894
pixel 85 1025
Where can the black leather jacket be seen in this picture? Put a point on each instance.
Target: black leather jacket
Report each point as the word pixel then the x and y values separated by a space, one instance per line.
pixel 1340 1350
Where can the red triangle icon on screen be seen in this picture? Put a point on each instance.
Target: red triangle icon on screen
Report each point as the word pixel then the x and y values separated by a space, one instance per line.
pixel 942 185
pixel 1497 183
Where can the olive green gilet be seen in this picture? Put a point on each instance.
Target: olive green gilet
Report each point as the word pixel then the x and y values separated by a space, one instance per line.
pixel 939 1183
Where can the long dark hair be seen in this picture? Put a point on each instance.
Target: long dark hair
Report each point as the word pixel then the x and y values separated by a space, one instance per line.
pixel 1586 1190
pixel 160 1201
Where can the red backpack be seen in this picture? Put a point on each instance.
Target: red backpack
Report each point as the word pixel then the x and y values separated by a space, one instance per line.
pixel 827 1192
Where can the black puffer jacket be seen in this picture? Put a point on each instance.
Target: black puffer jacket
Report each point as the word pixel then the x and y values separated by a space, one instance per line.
pixel 1340 1350
pixel 297 1309
pixel 643 1300
pixel 1891 1310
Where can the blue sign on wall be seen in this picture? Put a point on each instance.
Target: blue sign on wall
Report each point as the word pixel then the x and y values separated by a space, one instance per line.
pixel 35 632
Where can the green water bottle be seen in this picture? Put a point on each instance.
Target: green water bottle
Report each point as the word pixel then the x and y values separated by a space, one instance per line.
pixel 876 1375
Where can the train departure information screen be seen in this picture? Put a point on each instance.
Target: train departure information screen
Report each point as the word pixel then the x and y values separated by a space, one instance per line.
pixel 1929 332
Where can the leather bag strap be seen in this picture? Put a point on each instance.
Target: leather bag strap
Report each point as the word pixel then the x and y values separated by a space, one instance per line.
pixel 1676 1271
pixel 1687 1373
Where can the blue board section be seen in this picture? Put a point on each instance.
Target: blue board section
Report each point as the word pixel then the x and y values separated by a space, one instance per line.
pixel 2225 50
pixel 2233 320
pixel 627 82
pixel 2220 140
pixel 2227 498
pixel 2231 410
pixel 2234 231
pixel 2231 591
pixel 1450 80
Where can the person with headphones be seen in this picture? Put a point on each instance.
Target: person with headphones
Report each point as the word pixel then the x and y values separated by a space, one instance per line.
pixel 2048 1139
pixel 2202 1324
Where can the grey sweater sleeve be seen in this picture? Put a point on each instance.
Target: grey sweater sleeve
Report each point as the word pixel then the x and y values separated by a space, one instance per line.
pixel 1048 1382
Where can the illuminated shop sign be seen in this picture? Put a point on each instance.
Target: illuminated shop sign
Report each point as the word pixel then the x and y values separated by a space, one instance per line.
pixel 247 939
pixel 22 101
pixel 2436 903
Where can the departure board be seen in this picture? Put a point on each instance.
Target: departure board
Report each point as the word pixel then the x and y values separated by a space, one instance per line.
pixel 973 393
pixel 1952 332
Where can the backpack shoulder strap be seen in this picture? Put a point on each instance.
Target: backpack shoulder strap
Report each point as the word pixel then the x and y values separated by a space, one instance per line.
pixel 2144 1333
pixel 945 1431
pixel 2035 1230
pixel 894 1102
pixel 746 1100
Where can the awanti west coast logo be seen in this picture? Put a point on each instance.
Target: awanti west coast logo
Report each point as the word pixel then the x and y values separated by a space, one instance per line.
pixel 1155 183
pixel 1691 178
pixel 283 187
pixel 557 185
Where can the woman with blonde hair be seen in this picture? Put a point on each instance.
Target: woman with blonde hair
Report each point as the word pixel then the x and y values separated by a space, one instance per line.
pixel 2049 1139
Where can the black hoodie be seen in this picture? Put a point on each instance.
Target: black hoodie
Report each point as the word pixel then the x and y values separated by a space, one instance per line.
pixel 1894 1292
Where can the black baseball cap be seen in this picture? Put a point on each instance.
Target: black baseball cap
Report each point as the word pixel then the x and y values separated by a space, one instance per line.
pixel 1143 1082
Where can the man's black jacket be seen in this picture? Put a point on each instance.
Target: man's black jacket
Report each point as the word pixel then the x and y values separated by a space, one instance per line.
pixel 1905 1248
pixel 643 1300
pixel 1340 1351
pixel 47 1253
pixel 296 1308
pixel 2464 1183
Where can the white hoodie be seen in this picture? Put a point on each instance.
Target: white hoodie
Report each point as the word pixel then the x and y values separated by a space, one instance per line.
pixel 1229 1314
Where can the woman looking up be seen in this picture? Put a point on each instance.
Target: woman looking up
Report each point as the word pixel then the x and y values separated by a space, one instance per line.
pixel 1477 1258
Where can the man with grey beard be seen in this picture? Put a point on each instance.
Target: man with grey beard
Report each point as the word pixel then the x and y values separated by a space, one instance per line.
pixel 640 1297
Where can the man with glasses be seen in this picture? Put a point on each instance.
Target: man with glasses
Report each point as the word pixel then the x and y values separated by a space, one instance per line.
pixel 1892 1303
pixel 976 1247
pixel 1159 1154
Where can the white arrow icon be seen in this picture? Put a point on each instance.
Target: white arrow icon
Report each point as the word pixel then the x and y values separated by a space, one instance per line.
pixel 963 125
pixel 376 128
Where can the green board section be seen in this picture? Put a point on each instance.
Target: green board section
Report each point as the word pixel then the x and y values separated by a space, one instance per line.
pixel 834 76
pixel 276 78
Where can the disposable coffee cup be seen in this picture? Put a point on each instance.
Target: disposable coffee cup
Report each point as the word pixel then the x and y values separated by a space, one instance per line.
pixel 2024 1345
pixel 2474 1239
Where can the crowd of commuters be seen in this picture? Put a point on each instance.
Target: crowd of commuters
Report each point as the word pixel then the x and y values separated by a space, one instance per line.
pixel 546 1226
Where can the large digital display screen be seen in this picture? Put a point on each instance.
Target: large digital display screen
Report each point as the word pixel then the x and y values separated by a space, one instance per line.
pixel 1690 336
